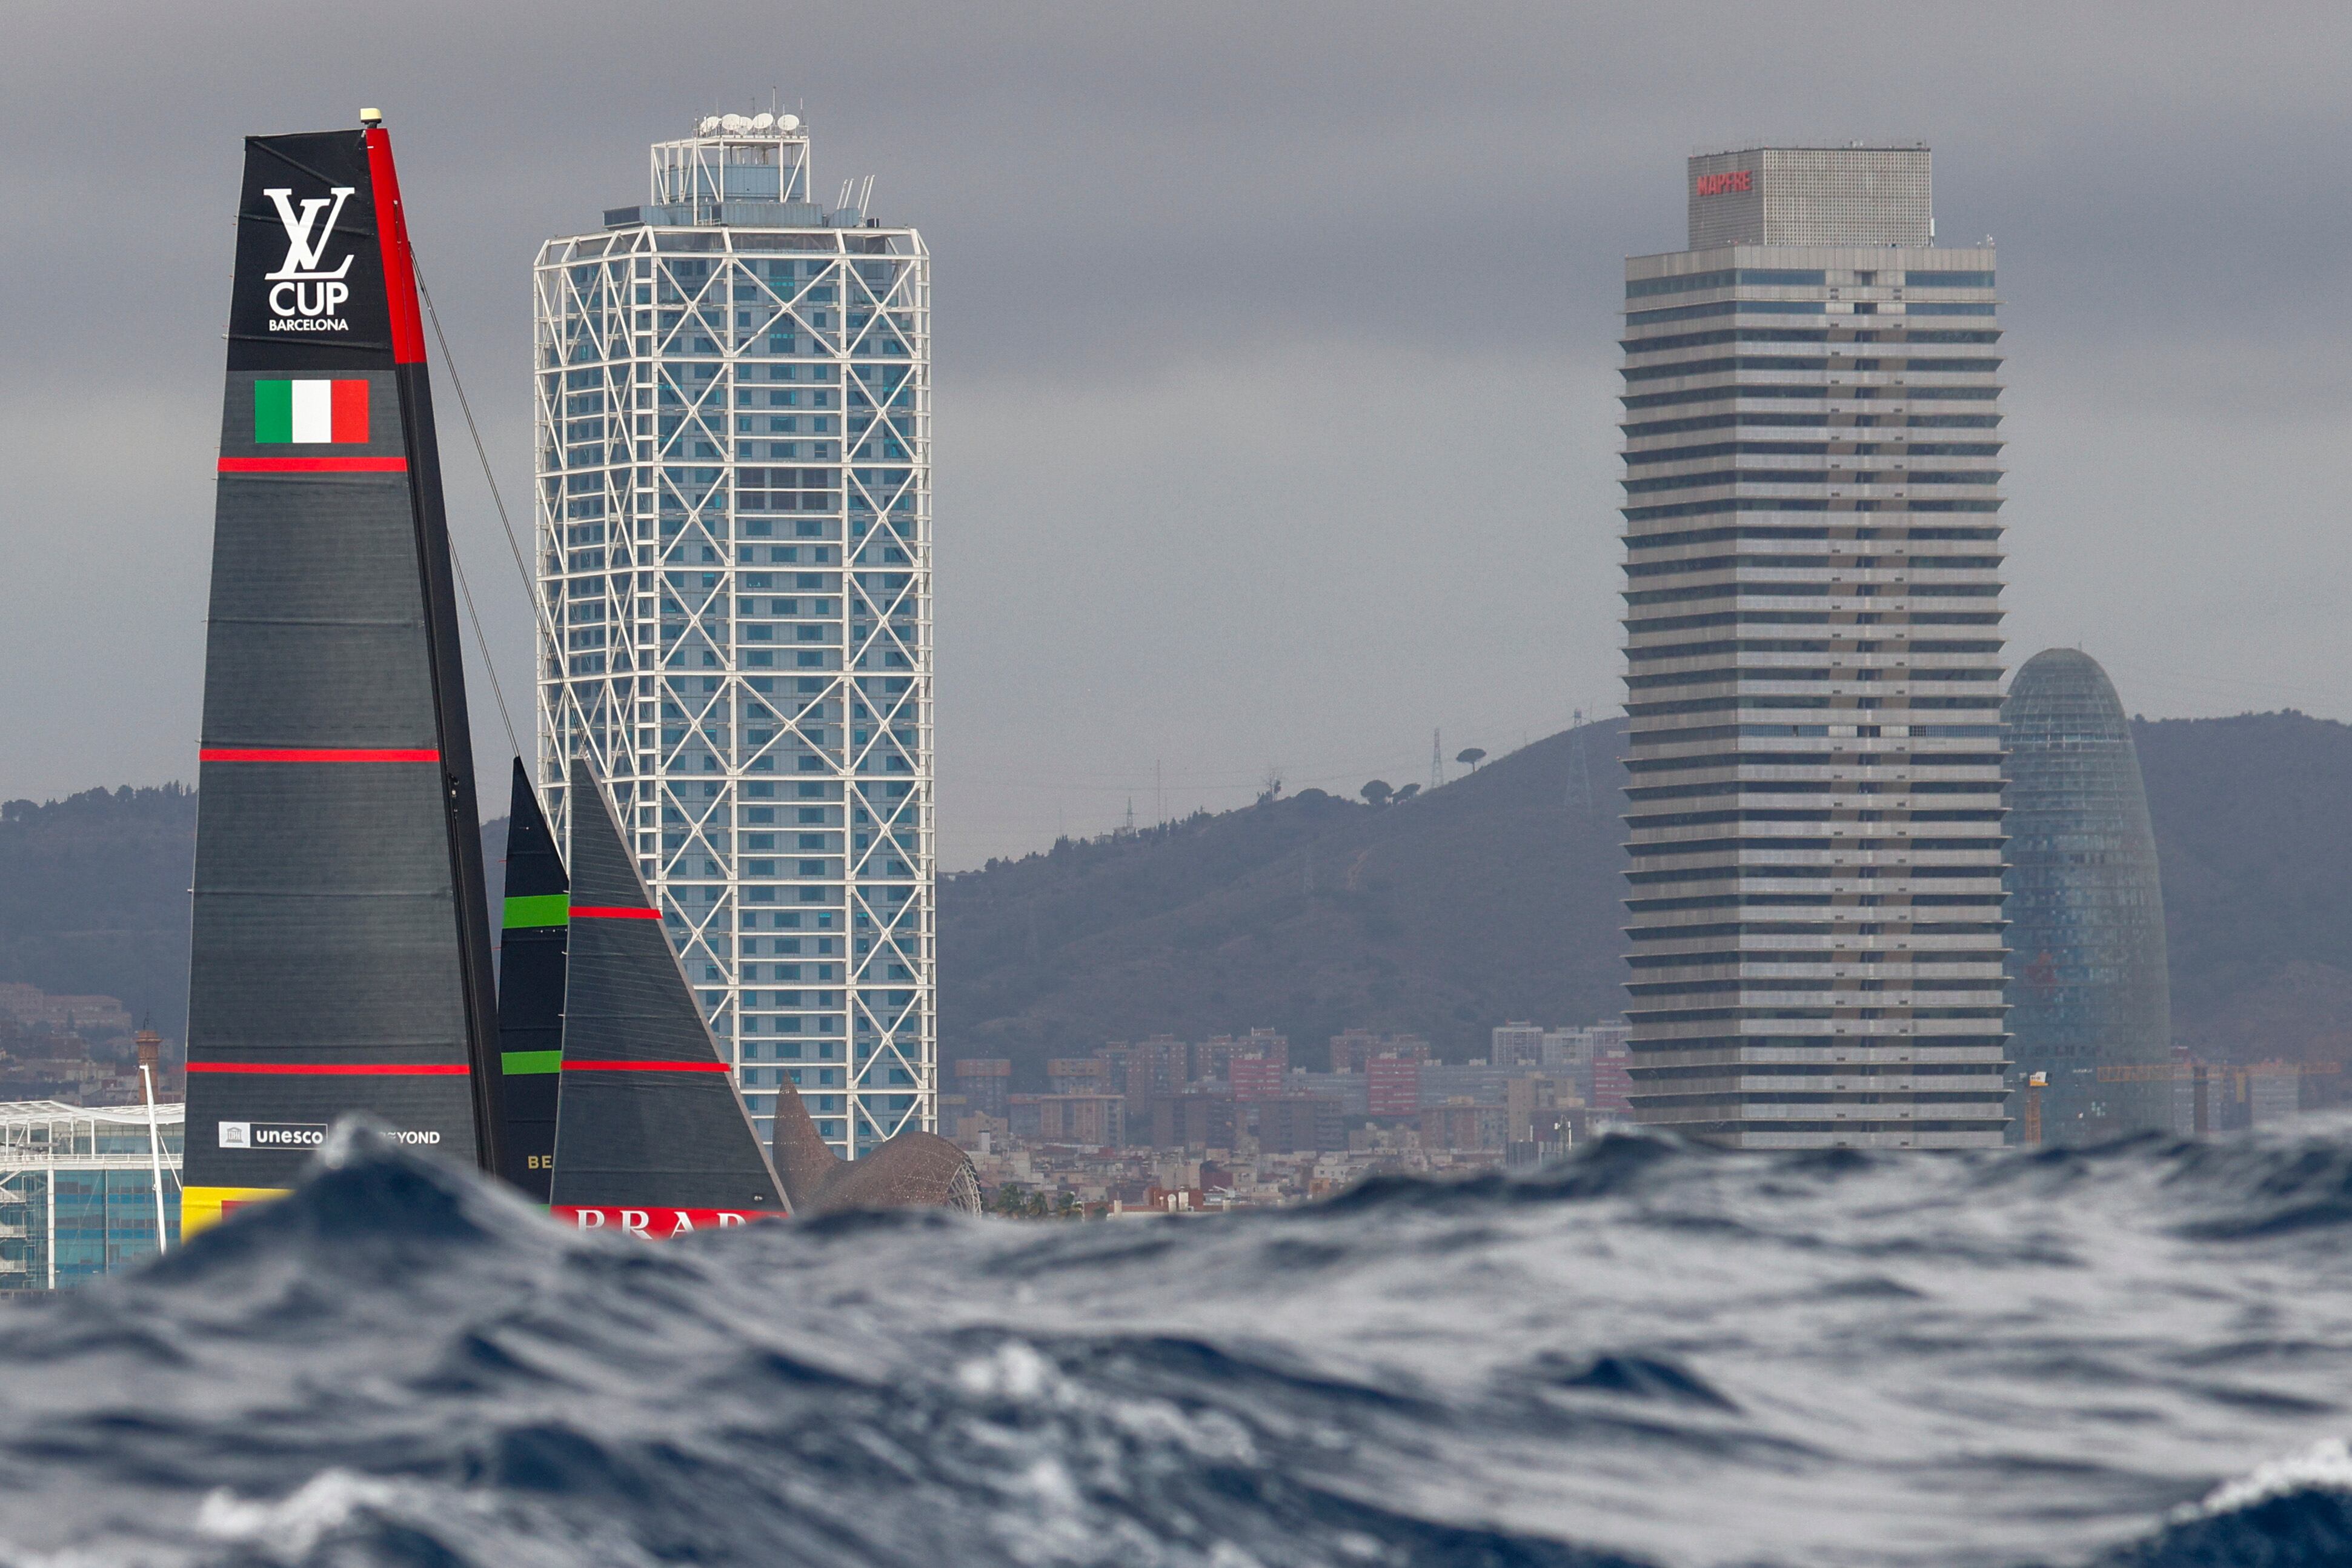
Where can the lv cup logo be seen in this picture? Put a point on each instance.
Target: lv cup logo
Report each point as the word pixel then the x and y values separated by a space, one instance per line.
pixel 302 290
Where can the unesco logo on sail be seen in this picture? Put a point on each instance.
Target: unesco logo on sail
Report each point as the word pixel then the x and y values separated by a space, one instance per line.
pixel 301 1135
pixel 272 1135
pixel 303 296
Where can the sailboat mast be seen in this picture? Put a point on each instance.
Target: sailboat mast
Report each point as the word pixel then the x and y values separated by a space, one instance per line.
pixel 444 650
pixel 339 946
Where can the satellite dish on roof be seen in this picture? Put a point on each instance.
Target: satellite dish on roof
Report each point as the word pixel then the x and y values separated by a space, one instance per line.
pixel 762 121
pixel 734 124
pixel 709 123
pixel 788 122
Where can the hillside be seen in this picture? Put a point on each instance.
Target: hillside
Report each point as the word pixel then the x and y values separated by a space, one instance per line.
pixel 1493 898
pixel 2253 827
pixel 94 896
pixel 1489 900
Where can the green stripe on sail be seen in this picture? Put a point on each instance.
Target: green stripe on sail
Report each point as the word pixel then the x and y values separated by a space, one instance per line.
pixel 273 412
pixel 537 910
pixel 516 1063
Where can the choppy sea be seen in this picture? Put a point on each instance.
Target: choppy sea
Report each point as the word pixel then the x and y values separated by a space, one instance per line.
pixel 2137 1355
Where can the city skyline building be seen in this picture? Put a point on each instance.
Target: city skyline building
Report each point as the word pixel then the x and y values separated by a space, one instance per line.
pixel 86 1190
pixel 2089 985
pixel 1812 435
pixel 732 435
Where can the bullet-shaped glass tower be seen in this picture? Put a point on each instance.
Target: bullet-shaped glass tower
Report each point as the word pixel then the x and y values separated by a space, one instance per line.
pixel 733 422
pixel 2088 983
pixel 1813 551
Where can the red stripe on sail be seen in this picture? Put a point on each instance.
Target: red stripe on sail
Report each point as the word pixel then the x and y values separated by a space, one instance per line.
pixel 399 269
pixel 645 1066
pixel 350 402
pixel 336 1070
pixel 312 755
pixel 318 464
pixel 605 913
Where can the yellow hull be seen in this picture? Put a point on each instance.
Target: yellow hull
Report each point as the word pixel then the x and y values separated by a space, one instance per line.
pixel 200 1207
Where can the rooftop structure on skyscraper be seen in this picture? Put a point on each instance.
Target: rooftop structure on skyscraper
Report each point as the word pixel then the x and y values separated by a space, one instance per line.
pixel 733 412
pixel 2088 986
pixel 1813 641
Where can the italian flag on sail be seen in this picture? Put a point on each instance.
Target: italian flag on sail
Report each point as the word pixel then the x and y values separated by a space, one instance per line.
pixel 310 412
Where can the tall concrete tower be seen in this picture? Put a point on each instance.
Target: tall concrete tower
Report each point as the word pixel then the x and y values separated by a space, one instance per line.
pixel 1813 552
pixel 2088 983
pixel 734 532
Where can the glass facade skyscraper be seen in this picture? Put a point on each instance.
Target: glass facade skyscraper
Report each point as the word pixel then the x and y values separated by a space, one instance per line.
pixel 2088 983
pixel 733 424
pixel 1813 555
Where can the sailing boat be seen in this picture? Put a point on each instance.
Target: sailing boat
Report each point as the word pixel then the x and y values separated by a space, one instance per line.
pixel 651 1134
pixel 340 960
pixel 535 919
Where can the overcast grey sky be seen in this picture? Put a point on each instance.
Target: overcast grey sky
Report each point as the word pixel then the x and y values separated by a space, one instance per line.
pixel 1275 342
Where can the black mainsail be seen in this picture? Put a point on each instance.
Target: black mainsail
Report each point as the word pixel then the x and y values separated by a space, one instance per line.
pixel 535 921
pixel 341 955
pixel 651 1134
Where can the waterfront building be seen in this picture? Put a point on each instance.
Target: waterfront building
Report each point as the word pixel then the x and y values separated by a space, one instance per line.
pixel 1482 1083
pixel 1193 1120
pixel 1080 1075
pixel 2273 1093
pixel 1575 1052
pixel 1213 1058
pixel 1156 1068
pixel 1095 1120
pixel 1299 1123
pixel 1352 1049
pixel 1516 1044
pixel 1461 1123
pixel 1350 1091
pixel 733 421
pixel 1254 1078
pixel 2088 985
pixel 85 1189
pixel 984 1082
pixel 1812 427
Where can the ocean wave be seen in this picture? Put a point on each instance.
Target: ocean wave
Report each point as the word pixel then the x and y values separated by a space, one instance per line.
pixel 1652 1353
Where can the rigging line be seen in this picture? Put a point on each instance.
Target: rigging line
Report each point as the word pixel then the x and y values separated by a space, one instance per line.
pixel 497 689
pixel 465 406
pixel 456 383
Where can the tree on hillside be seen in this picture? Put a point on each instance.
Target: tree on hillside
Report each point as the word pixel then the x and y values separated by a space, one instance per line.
pixel 1470 757
pixel 1407 793
pixel 1377 792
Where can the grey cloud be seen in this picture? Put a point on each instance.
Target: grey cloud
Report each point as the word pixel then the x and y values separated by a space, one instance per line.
pixel 1275 340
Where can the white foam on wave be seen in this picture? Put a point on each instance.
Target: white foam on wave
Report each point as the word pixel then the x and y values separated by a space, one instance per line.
pixel 2323 1467
pixel 338 1508
pixel 298 1521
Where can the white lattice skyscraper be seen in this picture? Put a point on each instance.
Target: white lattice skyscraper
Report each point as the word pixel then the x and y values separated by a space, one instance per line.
pixel 733 434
